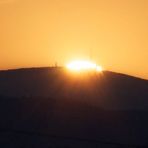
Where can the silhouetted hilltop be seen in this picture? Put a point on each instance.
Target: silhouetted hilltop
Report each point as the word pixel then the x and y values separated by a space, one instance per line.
pixel 106 90
pixel 51 107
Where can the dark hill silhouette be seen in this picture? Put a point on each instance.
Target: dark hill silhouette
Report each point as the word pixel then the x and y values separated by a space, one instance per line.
pixel 108 90
pixel 49 107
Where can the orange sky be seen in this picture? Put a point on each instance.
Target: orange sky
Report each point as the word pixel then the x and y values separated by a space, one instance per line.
pixel 40 32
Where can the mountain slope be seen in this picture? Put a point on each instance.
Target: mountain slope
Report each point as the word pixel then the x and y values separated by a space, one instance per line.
pixel 107 90
pixel 50 107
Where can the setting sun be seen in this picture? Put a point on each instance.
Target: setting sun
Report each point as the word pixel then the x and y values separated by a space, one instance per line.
pixel 82 65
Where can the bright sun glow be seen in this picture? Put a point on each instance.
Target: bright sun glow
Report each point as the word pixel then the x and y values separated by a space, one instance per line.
pixel 84 66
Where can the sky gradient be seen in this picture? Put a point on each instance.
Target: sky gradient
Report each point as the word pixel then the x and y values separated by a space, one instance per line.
pixel 36 33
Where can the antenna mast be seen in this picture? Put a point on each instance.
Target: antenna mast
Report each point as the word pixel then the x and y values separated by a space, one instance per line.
pixel 90 54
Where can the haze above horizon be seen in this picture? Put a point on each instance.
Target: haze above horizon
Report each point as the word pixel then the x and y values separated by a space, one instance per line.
pixel 38 33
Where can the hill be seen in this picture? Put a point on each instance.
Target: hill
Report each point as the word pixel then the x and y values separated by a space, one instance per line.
pixel 107 90
pixel 50 107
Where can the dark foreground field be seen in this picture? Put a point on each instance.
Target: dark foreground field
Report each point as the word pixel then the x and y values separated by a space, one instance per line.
pixel 43 122
pixel 49 109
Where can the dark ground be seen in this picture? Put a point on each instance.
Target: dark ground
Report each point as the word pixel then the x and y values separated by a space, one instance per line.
pixel 50 109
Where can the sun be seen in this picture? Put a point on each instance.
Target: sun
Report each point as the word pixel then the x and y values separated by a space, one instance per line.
pixel 83 65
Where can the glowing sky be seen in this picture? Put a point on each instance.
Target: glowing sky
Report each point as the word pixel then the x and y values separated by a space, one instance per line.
pixel 42 32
